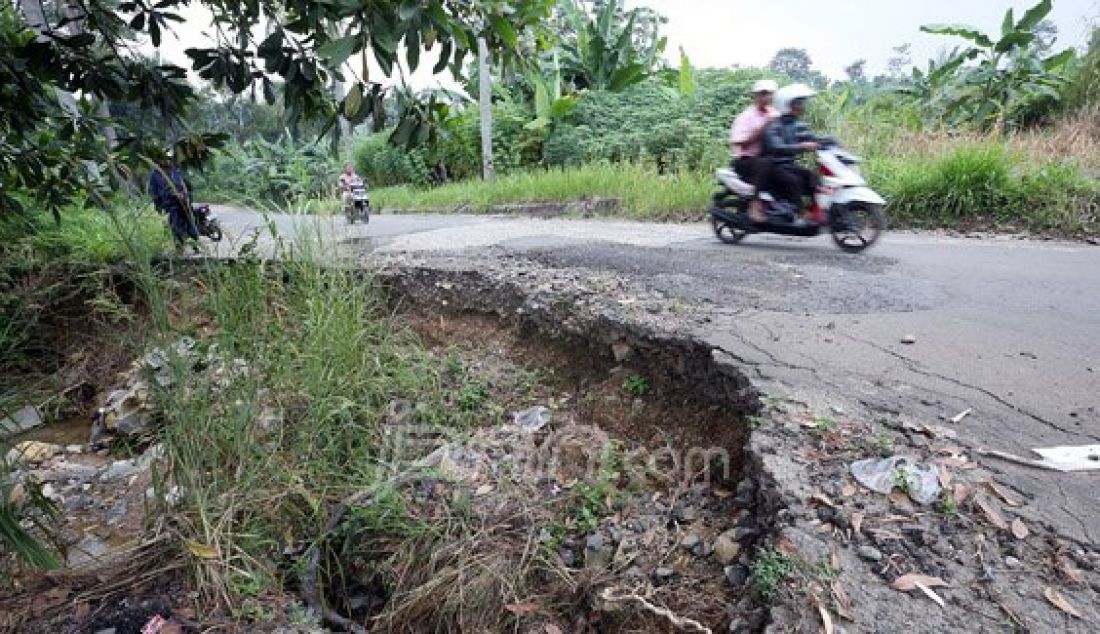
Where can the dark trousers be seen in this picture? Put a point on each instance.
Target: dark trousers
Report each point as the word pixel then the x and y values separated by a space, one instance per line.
pixel 791 182
pixel 754 170
pixel 182 223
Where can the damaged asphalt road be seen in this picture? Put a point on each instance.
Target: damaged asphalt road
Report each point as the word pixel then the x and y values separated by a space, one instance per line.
pixel 1008 328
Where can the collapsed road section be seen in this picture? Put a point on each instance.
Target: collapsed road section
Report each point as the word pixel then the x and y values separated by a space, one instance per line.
pixel 845 517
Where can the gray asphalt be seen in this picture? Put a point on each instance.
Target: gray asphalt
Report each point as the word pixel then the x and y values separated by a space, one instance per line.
pixel 1008 328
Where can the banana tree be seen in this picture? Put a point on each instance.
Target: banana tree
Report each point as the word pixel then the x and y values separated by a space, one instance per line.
pixel 551 106
pixel 603 55
pixel 1010 74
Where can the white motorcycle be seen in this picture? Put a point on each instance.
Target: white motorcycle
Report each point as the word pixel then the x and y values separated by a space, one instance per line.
pixel 843 205
pixel 356 202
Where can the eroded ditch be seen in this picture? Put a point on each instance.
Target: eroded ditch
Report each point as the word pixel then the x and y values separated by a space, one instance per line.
pixel 690 507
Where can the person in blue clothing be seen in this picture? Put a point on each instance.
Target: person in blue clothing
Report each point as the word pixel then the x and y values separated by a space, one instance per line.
pixel 170 194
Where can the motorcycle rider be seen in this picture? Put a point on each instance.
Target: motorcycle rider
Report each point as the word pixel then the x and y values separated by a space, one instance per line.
pixel 784 140
pixel 170 194
pixel 746 141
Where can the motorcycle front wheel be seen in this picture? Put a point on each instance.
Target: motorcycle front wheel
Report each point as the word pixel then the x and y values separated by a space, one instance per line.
pixel 211 229
pixel 858 227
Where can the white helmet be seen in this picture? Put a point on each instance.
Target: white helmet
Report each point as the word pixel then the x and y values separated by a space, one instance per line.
pixel 788 94
pixel 764 85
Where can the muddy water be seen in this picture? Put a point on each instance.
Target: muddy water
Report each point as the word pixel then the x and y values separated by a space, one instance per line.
pixel 68 431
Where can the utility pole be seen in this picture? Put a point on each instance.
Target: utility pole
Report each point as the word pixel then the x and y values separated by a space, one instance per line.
pixel 485 97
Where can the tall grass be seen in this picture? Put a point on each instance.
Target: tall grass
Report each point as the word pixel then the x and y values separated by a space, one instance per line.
pixel 1039 181
pixel 640 190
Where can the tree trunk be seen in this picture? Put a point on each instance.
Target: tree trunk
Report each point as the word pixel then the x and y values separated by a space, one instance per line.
pixel 485 97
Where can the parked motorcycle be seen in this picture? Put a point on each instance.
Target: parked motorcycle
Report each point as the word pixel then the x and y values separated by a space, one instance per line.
pixel 843 205
pixel 206 222
pixel 357 202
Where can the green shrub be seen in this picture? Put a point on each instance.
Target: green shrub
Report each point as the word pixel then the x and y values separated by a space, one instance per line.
pixel 269 172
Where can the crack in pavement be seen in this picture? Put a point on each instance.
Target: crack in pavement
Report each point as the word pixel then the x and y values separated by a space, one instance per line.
pixel 913 366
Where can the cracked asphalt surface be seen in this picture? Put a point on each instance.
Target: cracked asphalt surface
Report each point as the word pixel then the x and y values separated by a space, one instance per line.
pixel 1008 328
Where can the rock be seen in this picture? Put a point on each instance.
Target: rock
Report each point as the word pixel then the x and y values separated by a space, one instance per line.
pixel 686 513
pixel 737 575
pixel 32 452
pixel 664 573
pixel 870 553
pixel 620 351
pixel 24 419
pixel 726 547
pixel 826 514
pixel 690 542
pixel 567 557
pixel 746 532
pixel 595 554
pixel 1012 562
pixel 119 470
pixel 634 572
pixel 594 542
pixel 88 550
pixel 909 339
pixel 74 449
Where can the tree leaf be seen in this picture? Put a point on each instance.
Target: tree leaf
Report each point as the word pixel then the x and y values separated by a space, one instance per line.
pixel 1019 529
pixel 1013 40
pixel 1060 602
pixel 1056 62
pixel 1009 23
pixel 353 102
pixel 1034 16
pixel 504 30
pixel 959 30
pixel 407 9
pixel 339 50
pixel 686 76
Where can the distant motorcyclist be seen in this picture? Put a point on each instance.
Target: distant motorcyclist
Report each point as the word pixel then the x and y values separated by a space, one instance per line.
pixel 170 194
pixel 784 140
pixel 348 177
pixel 746 142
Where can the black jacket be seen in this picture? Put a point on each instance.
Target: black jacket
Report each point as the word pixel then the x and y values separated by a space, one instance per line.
pixel 783 136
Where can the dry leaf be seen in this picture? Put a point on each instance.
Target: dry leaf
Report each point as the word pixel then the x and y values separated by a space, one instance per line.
pixel 843 602
pixel 931 595
pixel 848 490
pixel 1060 602
pixel 1001 493
pixel 552 629
pixel 900 498
pixel 202 551
pixel 721 494
pixel 1069 571
pixel 484 489
pixel 991 513
pixel 826 619
pixel 909 582
pixel 519 609
pixel 817 497
pixel 857 521
pixel 944 475
pixel 1019 529
pixel 961 492
pixel 834 555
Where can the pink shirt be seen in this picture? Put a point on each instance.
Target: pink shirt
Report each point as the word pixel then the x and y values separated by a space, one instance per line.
pixel 747 126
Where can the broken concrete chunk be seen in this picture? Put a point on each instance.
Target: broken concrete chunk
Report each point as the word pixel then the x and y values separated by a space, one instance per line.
pixel 24 419
pixel 32 451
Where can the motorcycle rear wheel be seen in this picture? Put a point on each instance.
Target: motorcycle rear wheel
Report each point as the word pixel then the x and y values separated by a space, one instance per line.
pixel 726 232
pixel 858 227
